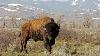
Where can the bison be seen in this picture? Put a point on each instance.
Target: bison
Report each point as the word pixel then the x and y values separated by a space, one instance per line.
pixel 42 29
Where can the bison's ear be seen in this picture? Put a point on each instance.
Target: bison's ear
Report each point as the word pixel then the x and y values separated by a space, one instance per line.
pixel 52 19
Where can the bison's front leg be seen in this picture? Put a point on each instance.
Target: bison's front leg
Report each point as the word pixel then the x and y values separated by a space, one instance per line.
pixel 47 44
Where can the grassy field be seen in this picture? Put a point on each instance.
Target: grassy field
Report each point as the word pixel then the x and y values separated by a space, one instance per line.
pixel 70 42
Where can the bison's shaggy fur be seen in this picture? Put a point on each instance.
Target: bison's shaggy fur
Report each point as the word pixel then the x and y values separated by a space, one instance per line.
pixel 43 29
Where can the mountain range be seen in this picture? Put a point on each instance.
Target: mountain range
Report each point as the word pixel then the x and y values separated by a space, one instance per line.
pixel 70 8
pixel 58 4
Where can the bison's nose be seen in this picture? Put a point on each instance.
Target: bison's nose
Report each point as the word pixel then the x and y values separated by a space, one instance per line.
pixel 49 37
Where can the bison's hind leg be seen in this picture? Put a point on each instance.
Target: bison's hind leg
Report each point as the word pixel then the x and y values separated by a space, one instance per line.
pixel 23 45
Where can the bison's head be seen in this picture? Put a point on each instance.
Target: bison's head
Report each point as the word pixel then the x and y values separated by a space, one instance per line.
pixel 52 30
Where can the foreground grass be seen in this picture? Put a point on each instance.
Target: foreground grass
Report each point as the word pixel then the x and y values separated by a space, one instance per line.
pixel 61 48
pixel 76 42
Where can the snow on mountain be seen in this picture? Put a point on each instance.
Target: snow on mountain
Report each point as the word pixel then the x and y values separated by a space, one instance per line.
pixel 17 8
pixel 98 6
pixel 18 18
pixel 62 0
pixel 19 11
pixel 1 17
pixel 9 10
pixel 74 2
pixel 94 10
pixel 81 13
pixel 15 4
pixel 83 0
pixel 95 18
pixel 36 3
